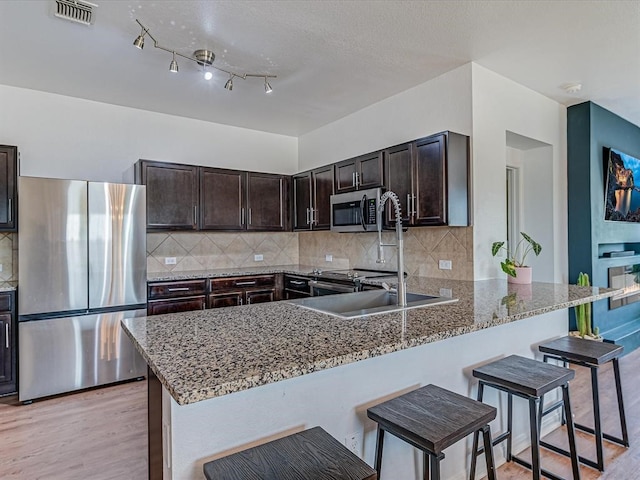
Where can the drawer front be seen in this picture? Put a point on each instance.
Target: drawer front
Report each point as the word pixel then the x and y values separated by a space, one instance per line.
pixel 159 307
pixel 260 296
pixel 233 283
pixel 232 299
pixel 298 284
pixel 5 302
pixel 186 288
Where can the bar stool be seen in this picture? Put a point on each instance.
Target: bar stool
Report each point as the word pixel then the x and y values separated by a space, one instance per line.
pixel 431 419
pixel 591 354
pixel 528 379
pixel 311 454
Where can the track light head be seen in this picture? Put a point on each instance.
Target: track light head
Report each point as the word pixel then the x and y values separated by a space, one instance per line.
pixel 267 87
pixel 139 42
pixel 229 84
pixel 173 66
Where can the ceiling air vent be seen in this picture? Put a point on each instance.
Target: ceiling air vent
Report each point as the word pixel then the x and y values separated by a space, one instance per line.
pixel 75 10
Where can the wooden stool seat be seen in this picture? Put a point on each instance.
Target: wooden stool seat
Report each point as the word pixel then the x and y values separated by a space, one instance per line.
pixel 591 354
pixel 309 455
pixel 531 380
pixel 431 419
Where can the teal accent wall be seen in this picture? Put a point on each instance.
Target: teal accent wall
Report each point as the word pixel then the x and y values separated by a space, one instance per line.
pixel 590 128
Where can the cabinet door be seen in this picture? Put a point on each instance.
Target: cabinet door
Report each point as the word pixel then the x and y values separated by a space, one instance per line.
pixel 260 296
pixel 222 195
pixel 267 203
pixel 302 201
pixel 230 299
pixel 322 191
pixel 6 351
pixel 175 305
pixel 172 195
pixel 397 172
pixel 8 161
pixel 346 176
pixel 369 170
pixel 430 182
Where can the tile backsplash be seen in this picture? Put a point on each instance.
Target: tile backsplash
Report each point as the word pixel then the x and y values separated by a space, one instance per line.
pixel 205 251
pixel 423 248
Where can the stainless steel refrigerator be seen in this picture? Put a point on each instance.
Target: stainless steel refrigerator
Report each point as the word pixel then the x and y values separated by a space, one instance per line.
pixel 82 269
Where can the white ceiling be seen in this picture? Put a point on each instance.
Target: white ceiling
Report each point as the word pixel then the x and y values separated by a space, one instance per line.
pixel 331 57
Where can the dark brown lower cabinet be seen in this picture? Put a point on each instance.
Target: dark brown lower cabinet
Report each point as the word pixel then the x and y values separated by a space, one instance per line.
pixel 233 291
pixel 229 299
pixel 175 305
pixel 8 345
pixel 176 296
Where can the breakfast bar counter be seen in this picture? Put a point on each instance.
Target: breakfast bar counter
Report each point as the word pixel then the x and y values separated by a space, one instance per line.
pixel 235 377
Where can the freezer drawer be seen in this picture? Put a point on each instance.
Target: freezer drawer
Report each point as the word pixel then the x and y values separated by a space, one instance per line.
pixel 71 353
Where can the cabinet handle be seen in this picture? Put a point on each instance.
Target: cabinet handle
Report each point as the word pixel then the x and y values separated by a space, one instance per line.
pixel 297 282
pixel 415 209
pixel 10 215
pixel 6 335
pixel 249 216
pixel 195 214
pixel 313 216
pixel 408 205
pixel 308 221
pixel 357 179
pixel 242 216
pixel 240 301
pixel 178 289
pixel 353 179
pixel 242 284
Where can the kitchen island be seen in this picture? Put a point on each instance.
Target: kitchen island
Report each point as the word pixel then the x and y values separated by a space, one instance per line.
pixel 233 378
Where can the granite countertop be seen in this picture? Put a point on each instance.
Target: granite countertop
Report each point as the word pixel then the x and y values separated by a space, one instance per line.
pixel 208 353
pixel 227 272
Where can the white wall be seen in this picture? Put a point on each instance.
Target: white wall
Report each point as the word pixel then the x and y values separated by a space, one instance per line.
pixel 501 105
pixel 443 103
pixel 65 137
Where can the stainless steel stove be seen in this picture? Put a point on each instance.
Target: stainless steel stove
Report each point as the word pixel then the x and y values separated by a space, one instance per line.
pixel 330 282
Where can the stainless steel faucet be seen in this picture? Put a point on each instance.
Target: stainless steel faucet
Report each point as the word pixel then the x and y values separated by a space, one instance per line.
pixel 402 286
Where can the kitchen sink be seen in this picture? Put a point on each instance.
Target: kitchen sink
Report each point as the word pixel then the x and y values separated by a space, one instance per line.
pixel 371 302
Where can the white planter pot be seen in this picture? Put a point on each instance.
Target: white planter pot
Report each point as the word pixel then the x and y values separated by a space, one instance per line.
pixel 523 276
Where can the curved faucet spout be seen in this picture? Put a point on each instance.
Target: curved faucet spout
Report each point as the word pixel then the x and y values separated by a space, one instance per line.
pixel 402 287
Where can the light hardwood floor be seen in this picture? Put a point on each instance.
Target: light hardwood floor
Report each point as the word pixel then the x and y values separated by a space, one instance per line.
pixel 101 434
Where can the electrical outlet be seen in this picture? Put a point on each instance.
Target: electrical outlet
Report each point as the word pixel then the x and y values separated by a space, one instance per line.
pixel 352 442
pixel 444 264
pixel 169 260
pixel 446 292
pixel 258 258
pixel 328 258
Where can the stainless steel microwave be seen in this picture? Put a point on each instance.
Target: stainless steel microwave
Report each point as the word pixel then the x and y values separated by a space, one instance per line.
pixel 356 211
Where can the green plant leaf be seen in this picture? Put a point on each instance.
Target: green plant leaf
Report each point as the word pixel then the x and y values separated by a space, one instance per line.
pixel 495 248
pixel 537 248
pixel 508 267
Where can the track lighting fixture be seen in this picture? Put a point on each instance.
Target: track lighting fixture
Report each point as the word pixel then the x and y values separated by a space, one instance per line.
pixel 202 57
pixel 173 66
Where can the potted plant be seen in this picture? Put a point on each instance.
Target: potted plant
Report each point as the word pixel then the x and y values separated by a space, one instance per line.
pixel 583 315
pixel 513 265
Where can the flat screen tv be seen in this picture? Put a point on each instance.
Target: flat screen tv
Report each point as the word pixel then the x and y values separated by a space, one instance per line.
pixel 622 194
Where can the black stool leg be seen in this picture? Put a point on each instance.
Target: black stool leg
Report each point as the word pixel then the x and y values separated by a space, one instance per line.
pixel 379 443
pixel 571 432
pixel 623 420
pixel 535 437
pixel 474 451
pixel 509 426
pixel 488 452
pixel 597 424
pixel 426 465
pixel 434 462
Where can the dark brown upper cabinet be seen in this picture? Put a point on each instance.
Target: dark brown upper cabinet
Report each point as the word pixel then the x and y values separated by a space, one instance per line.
pixel 311 195
pixel 172 194
pixel 430 177
pixel 267 202
pixel 8 180
pixel 222 199
pixel 359 173
pixel 185 197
